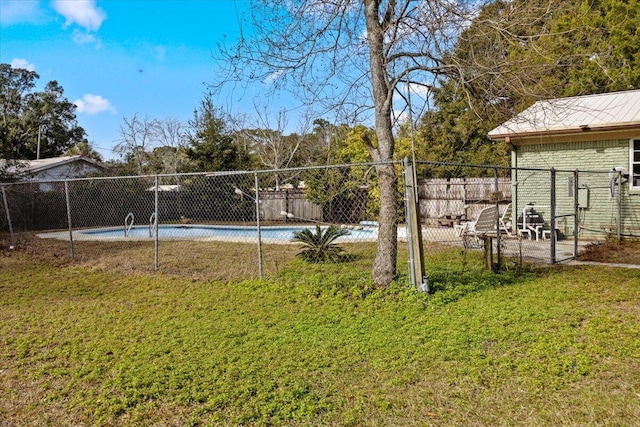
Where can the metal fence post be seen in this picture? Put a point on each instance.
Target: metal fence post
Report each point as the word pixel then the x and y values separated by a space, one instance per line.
pixel 412 275
pixel 498 232
pixel 66 192
pixel 257 199
pixel 413 226
pixel 156 255
pixel 6 209
pixel 553 216
pixel 576 212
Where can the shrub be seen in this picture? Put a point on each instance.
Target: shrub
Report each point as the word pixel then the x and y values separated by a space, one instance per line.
pixel 319 246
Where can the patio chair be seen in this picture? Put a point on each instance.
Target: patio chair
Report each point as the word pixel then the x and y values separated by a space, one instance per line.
pixel 522 232
pixel 530 223
pixel 506 220
pixel 473 232
pixel 460 229
pixel 532 231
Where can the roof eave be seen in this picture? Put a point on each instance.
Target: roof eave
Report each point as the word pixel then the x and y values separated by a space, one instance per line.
pixel 66 161
pixel 582 130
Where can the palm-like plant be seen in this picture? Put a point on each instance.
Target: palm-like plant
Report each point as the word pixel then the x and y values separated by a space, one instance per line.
pixel 319 246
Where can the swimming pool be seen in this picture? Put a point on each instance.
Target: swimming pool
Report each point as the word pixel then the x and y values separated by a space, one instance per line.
pixel 231 233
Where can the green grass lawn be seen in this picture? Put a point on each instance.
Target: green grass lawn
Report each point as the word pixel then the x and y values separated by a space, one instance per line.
pixel 317 345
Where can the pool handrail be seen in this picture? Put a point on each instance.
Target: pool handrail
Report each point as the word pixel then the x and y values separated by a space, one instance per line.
pixel 153 223
pixel 128 224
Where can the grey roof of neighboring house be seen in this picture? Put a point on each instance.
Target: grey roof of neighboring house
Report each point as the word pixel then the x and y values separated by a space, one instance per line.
pixel 607 111
pixel 43 164
pixel 166 188
pixel 34 166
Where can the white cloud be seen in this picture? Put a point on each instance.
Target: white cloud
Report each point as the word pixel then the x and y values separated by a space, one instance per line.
pixel 13 11
pixel 271 78
pixel 94 104
pixel 85 38
pixel 81 12
pixel 417 90
pixel 401 115
pixel 423 91
pixel 22 63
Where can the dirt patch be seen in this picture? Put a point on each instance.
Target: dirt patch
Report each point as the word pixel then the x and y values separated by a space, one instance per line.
pixel 625 252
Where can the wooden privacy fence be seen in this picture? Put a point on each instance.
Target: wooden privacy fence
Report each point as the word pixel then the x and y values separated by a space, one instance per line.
pixel 447 201
pixel 294 202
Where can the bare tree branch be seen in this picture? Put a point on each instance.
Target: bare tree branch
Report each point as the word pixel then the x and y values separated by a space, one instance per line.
pixel 348 58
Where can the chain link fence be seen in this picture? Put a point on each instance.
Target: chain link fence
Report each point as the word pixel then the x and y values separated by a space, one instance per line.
pixel 544 215
pixel 223 225
pixel 240 225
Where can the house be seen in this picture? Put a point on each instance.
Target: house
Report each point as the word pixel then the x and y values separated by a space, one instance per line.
pixel 55 168
pixel 598 135
pixel 44 171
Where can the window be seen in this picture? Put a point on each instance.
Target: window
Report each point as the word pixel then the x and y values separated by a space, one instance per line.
pixel 634 164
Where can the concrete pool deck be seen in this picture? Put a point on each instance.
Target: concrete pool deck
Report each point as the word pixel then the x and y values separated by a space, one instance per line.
pixel 512 246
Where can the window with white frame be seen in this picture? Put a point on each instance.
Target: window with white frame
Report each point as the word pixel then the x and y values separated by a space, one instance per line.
pixel 634 164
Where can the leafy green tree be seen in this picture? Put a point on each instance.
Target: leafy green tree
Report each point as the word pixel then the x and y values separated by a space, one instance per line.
pixel 83 149
pixel 497 68
pixel 604 37
pixel 212 145
pixel 165 159
pixel 348 193
pixel 454 133
pixel 554 48
pixel 28 116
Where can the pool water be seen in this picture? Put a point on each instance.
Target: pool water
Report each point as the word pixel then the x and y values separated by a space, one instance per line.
pixel 280 233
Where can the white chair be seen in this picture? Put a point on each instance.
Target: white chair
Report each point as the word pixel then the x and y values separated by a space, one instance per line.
pixel 537 230
pixel 460 229
pixel 472 232
pixel 506 219
pixel 523 231
pixel 529 229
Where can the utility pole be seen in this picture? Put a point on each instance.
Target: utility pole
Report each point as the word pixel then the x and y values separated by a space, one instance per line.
pixel 39 133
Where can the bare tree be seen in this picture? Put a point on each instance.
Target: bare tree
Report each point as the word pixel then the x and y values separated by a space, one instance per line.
pixel 170 133
pixel 268 141
pixel 351 57
pixel 136 139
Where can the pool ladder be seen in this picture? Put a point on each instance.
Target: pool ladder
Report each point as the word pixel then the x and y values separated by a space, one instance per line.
pixel 153 224
pixel 128 223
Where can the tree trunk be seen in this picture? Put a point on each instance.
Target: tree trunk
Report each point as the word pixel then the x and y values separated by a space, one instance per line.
pixel 384 268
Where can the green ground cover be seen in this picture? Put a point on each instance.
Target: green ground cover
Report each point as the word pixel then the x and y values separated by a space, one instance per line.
pixel 81 344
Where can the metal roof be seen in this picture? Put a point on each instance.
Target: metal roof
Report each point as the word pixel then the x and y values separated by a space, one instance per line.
pixel 616 110
pixel 165 188
pixel 34 166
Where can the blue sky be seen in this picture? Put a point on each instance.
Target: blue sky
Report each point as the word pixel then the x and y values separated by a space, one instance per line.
pixel 116 58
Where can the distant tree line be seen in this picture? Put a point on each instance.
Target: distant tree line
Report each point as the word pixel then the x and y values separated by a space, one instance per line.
pixel 587 47
pixel 35 122
pixel 513 55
